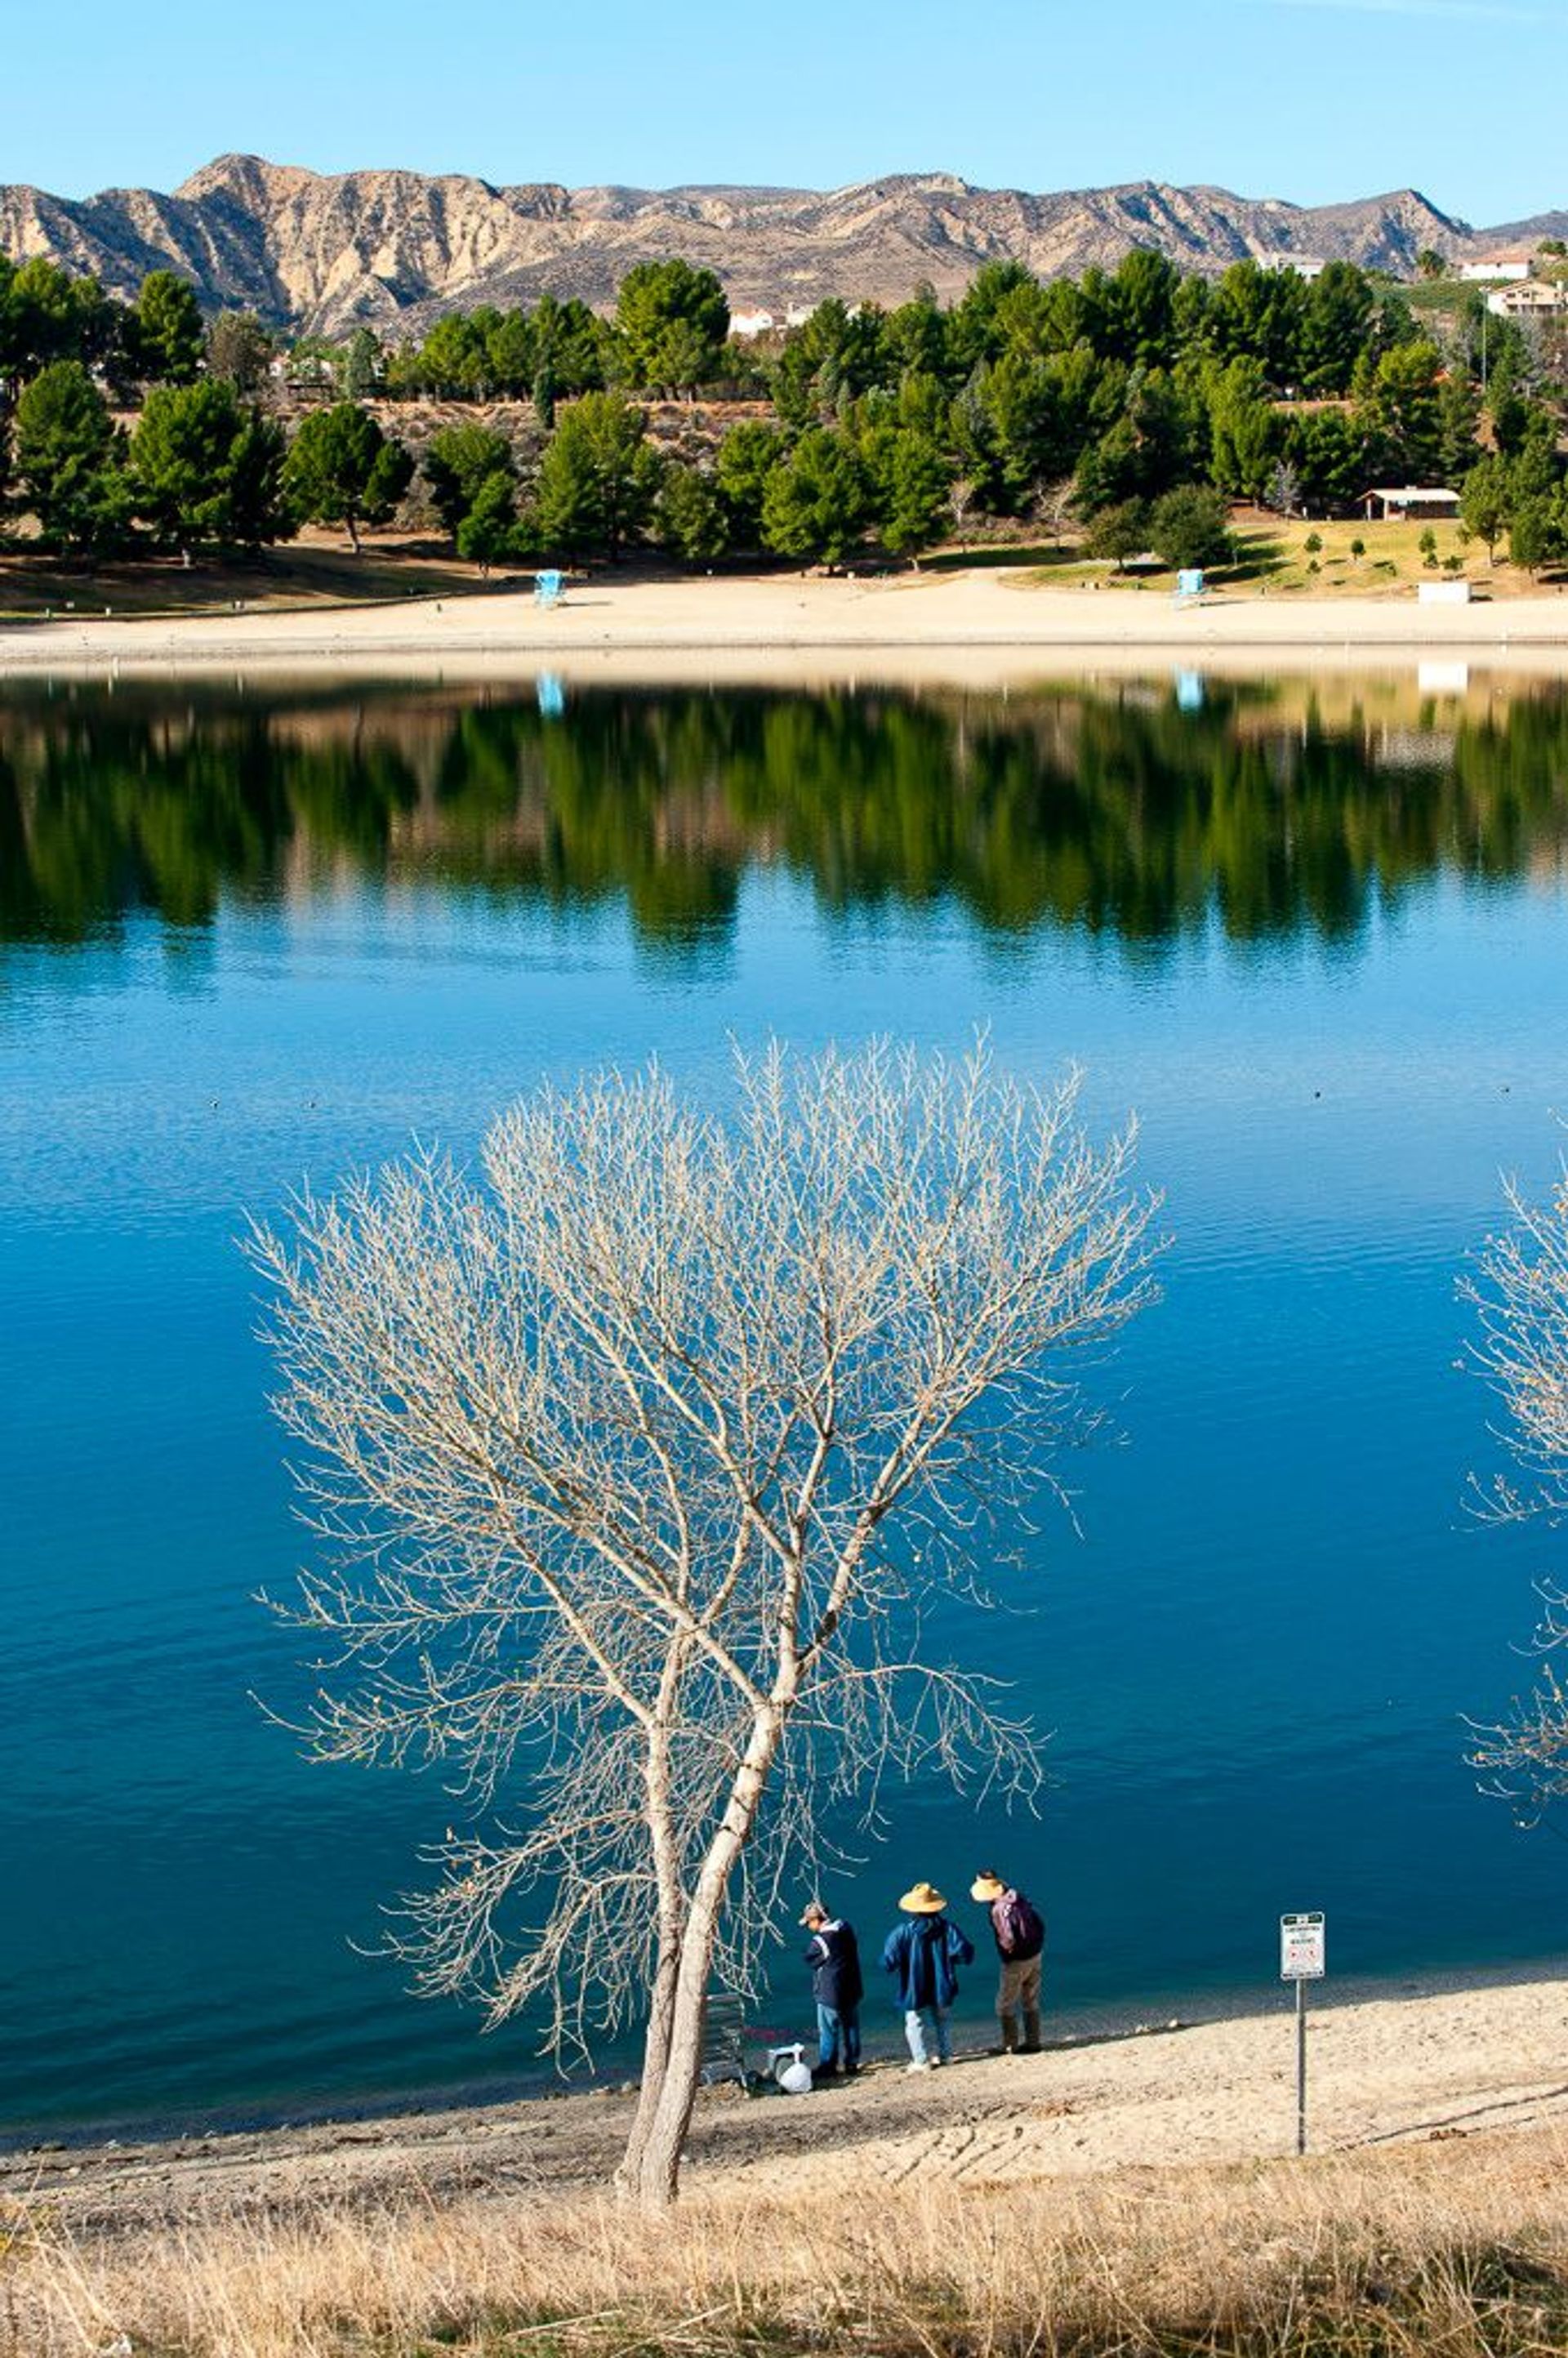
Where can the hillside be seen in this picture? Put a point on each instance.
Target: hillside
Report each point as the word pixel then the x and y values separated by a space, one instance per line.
pixel 392 249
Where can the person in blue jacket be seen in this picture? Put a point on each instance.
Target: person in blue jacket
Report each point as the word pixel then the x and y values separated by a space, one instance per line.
pixel 833 1957
pixel 923 1953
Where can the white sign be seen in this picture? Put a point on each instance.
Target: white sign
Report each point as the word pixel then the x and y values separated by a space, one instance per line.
pixel 1302 1947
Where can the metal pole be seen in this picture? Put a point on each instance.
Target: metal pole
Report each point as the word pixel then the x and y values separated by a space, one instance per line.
pixel 1301 2067
pixel 1485 313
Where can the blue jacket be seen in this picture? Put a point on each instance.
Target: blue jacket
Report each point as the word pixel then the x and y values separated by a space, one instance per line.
pixel 922 1952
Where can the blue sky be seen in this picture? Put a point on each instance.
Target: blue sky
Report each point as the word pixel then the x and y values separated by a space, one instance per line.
pixel 1310 100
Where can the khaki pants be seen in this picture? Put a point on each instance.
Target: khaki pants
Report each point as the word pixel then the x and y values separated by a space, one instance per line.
pixel 1018 2002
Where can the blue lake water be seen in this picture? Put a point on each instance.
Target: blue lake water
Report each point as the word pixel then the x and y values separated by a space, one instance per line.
pixel 1318 942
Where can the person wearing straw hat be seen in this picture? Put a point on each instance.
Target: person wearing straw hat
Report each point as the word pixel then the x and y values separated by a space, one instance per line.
pixel 923 1953
pixel 834 1956
pixel 1020 1936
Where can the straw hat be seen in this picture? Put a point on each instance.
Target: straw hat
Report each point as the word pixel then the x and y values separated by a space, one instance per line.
pixel 987 1885
pixel 923 1900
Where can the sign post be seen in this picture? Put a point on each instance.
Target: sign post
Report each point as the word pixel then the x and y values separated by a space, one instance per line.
pixel 1302 1961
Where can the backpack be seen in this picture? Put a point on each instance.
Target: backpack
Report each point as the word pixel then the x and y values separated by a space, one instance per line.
pixel 1025 1927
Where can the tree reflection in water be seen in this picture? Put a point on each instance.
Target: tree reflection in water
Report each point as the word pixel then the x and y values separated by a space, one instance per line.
pixel 1265 814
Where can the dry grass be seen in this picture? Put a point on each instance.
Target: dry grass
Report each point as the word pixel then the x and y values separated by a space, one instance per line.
pixel 1460 2247
pixel 318 570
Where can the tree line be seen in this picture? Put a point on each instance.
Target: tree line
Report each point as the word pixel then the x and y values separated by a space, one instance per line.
pixel 1137 402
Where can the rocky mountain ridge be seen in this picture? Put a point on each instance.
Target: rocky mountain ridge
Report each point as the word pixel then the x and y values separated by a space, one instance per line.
pixel 392 249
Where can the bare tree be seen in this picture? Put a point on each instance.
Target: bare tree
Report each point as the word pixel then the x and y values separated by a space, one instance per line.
pixel 1055 504
pixel 642 1454
pixel 1522 1297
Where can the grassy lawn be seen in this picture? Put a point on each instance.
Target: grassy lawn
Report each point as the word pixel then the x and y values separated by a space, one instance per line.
pixel 1273 560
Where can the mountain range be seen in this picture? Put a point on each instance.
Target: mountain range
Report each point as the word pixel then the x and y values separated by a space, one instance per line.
pixel 323 253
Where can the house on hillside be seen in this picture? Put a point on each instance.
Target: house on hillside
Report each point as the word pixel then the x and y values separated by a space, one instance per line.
pixel 1305 265
pixel 762 323
pixel 1536 298
pixel 1513 265
pixel 1400 504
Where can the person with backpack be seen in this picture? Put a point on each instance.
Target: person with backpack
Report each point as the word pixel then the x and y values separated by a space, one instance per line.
pixel 1019 1935
pixel 923 1953
pixel 834 1956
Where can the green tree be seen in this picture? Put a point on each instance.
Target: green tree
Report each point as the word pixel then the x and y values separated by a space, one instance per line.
pixel 1260 315
pixel 169 340
pixel 1023 434
pixel 1329 457
pixel 916 335
pixel 1120 532
pixel 1336 327
pixel 1535 532
pixel 360 369
pixel 458 461
pixel 1107 473
pixel 690 515
pixel 452 361
pixel 815 504
pixel 914 494
pixel 1507 403
pixel 747 455
pixel 341 469
pixel 240 351
pixel 509 353
pixel 1245 433
pixel 197 471
pixel 47 315
pixel 1140 307
pixel 69 458
pixel 1458 413
pixel 599 478
pixel 1402 417
pixel 983 322
pixel 258 510
pixel 1191 526
pixel 674 319
pixel 486 533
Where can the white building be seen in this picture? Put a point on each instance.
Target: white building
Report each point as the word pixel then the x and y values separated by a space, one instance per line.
pixel 1496 266
pixel 762 323
pixel 1305 265
pixel 1402 501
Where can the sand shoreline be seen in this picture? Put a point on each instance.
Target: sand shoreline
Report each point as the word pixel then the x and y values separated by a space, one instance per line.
pixel 1430 2057
pixel 987 625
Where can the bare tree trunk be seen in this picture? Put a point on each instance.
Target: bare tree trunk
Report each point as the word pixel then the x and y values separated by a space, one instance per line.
pixel 672 1923
pixel 658 2172
pixel 656 2068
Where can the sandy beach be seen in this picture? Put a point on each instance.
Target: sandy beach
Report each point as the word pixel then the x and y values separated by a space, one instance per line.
pixel 985 626
pixel 1430 2063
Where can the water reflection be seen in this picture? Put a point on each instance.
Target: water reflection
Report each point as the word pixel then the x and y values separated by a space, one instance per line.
pixel 1142 812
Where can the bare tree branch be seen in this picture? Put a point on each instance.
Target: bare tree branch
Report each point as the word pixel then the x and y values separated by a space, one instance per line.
pixel 639 1456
